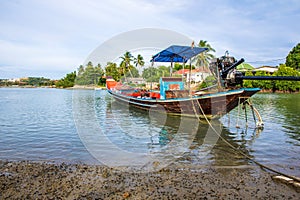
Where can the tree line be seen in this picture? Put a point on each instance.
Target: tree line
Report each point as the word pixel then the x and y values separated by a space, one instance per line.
pixel 30 81
pixel 286 86
pixel 290 68
pixel 95 75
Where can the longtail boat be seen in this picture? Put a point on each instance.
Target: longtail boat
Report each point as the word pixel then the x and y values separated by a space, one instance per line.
pixel 179 102
pixel 172 97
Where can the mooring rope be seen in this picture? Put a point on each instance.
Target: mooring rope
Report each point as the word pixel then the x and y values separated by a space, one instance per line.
pixel 238 150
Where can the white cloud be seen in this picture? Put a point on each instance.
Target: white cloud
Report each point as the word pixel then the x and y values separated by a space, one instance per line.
pixel 60 34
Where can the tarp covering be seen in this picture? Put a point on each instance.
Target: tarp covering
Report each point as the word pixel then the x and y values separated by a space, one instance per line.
pixel 176 53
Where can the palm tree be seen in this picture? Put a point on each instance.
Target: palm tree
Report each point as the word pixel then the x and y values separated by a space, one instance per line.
pixel 139 61
pixel 126 59
pixel 203 58
pixel 80 70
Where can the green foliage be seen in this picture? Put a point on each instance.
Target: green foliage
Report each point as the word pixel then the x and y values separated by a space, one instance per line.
pixel 127 58
pixel 162 71
pixel 149 74
pixel 33 81
pixel 39 81
pixel 4 82
pixel 178 66
pixel 80 70
pixel 112 70
pixel 209 81
pixel 153 74
pixel 126 68
pixel 67 81
pixel 293 58
pixel 204 58
pixel 248 83
pixel 89 75
pixel 125 65
pixel 102 81
pixel 139 61
pixel 132 72
pixel 288 86
pixel 244 67
pixel 265 84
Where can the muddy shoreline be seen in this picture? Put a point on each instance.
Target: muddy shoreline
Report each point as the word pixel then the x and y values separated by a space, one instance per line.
pixel 31 180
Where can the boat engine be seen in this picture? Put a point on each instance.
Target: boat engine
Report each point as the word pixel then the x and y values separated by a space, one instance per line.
pixel 224 68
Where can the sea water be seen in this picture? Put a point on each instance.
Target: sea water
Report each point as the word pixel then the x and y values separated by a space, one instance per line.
pixel 88 126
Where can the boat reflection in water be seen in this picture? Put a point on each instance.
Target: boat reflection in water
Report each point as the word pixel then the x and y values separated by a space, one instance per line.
pixel 181 140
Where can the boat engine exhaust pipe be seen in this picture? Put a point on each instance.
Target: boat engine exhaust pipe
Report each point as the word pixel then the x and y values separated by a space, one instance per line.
pixel 225 72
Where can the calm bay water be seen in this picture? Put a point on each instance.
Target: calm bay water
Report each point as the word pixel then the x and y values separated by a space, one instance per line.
pixel 57 126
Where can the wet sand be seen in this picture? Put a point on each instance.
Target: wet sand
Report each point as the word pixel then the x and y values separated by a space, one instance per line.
pixel 29 180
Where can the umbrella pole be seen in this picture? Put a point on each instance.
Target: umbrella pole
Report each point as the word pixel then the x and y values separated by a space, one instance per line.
pixel 182 75
pixel 171 68
pixel 190 74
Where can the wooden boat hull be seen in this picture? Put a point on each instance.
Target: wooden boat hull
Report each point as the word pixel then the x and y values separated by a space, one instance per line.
pixel 212 106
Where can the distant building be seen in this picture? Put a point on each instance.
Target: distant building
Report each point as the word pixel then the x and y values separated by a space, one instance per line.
pixel 13 80
pixel 182 72
pixel 198 75
pixel 269 69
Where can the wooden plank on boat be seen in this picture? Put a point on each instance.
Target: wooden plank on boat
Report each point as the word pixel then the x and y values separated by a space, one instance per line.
pixel 171 79
pixel 171 94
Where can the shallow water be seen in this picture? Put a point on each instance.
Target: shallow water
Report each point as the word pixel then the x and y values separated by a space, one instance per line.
pixel 88 126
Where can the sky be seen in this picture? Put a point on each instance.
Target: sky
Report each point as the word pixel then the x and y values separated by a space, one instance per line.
pixel 51 38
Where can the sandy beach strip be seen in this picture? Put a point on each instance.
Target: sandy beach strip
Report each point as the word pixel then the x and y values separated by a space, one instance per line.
pixel 32 180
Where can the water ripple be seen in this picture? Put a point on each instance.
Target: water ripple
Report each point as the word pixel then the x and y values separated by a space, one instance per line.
pixel 38 124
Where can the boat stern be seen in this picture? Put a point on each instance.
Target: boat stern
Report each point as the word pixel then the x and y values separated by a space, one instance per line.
pixel 110 83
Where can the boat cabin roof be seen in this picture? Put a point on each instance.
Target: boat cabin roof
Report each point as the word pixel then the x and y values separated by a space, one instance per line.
pixel 177 53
